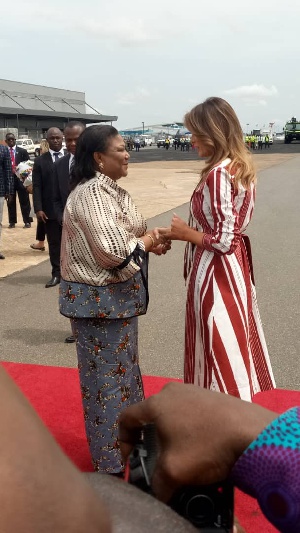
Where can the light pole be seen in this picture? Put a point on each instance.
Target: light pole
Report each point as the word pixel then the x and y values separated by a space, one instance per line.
pixel 247 128
pixel 143 127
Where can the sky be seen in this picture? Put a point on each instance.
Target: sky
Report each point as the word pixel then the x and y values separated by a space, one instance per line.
pixel 152 61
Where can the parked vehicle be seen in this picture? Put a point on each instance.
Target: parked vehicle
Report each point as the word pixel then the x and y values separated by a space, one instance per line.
pixel 148 140
pixel 160 143
pixel 292 131
pixel 28 144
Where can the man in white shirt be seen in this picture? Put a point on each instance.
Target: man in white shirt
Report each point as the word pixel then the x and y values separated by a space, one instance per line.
pixel 42 179
pixel 61 177
pixel 62 168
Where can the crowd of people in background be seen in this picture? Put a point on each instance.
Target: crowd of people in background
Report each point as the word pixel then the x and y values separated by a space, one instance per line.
pixel 178 143
pixel 183 143
pixel 257 142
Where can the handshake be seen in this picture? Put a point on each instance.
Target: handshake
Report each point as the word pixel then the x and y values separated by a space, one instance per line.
pixel 163 237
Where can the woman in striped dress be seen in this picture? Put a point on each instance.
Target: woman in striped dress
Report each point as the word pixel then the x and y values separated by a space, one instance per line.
pixel 225 348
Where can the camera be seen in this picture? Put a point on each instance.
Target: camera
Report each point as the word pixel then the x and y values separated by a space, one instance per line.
pixel 209 507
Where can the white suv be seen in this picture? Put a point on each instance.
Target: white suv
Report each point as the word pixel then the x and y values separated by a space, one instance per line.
pixel 29 145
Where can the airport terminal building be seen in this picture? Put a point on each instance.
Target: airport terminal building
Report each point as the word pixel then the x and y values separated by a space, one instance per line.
pixel 32 109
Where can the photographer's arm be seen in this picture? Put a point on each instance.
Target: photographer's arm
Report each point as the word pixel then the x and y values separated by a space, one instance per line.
pixel 40 489
pixel 269 470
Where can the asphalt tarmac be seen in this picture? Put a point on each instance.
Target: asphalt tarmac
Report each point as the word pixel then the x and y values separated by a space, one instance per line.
pixel 33 331
pixel 152 153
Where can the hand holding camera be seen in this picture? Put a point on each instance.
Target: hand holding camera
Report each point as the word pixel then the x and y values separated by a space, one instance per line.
pixel 208 508
pixel 200 434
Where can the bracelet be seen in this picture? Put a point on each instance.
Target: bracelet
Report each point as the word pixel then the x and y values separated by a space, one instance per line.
pixel 150 236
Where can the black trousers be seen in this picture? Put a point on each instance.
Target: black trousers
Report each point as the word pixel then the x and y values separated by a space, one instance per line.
pixel 24 203
pixel 53 232
pixel 40 231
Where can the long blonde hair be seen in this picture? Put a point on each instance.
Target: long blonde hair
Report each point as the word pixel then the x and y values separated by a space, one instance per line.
pixel 44 146
pixel 216 124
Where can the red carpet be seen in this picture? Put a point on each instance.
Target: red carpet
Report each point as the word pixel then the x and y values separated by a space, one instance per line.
pixel 54 393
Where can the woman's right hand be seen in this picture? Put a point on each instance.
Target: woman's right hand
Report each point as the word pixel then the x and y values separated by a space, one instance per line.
pixel 178 231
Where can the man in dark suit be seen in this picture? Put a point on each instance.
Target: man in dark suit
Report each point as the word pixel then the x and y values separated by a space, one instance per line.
pixel 17 155
pixel 62 169
pixel 42 180
pixel 6 182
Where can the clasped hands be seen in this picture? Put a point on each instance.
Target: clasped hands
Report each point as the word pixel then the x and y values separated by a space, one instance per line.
pixel 177 231
pixel 161 242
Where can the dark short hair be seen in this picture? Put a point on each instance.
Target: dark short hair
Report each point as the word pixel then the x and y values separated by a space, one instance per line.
pixel 10 135
pixel 74 124
pixel 53 128
pixel 92 139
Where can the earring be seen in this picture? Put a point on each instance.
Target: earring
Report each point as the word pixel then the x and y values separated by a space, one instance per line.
pixel 101 166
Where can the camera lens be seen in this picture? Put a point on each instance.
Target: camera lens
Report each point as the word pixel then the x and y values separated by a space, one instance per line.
pixel 199 509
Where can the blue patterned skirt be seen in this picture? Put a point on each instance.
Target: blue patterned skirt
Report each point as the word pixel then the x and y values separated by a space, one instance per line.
pixel 110 380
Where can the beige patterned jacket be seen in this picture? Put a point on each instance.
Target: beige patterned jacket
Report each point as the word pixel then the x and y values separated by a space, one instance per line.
pixel 101 228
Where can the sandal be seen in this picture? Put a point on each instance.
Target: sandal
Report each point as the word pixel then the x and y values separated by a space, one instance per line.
pixel 36 247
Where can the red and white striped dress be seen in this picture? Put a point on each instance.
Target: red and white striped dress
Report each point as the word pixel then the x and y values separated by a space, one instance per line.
pixel 225 348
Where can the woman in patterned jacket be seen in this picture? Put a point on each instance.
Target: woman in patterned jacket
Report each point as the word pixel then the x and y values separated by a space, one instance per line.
pixel 105 245
pixel 225 348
